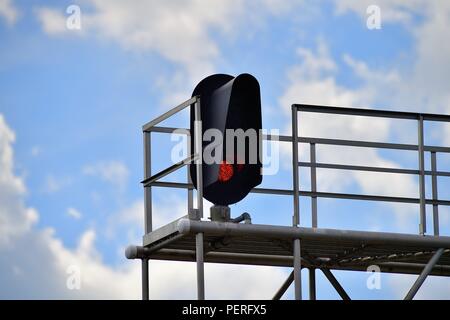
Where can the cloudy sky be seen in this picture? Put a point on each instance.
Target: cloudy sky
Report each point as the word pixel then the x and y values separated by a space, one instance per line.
pixel 72 102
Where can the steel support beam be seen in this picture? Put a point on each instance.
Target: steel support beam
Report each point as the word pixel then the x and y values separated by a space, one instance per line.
pixel 312 283
pixel 426 271
pixel 335 283
pixel 145 280
pixel 185 226
pixel 284 287
pixel 297 270
pixel 200 266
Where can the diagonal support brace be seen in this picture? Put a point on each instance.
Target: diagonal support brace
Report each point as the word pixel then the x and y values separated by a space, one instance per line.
pixel 335 283
pixel 426 271
pixel 284 287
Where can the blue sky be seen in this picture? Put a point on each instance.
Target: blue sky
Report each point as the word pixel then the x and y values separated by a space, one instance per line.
pixel 75 101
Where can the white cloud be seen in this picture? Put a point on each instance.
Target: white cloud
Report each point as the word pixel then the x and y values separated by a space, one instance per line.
pixel 53 21
pixel 44 273
pixel 36 151
pixel 313 81
pixel 183 33
pixel 74 213
pixel 114 172
pixel 54 184
pixel 398 11
pixel 8 11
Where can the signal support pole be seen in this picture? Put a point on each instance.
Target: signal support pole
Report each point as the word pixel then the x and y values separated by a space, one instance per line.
pixel 297 270
pixel 200 266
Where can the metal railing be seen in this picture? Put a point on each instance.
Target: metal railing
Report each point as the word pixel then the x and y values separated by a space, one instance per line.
pixel 155 179
pixel 199 228
pixel 419 147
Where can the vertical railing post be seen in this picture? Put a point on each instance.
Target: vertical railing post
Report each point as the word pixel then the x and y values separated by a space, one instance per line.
pixel 423 225
pixel 190 191
pixel 145 282
pixel 312 284
pixel 199 154
pixel 296 217
pixel 200 266
pixel 312 148
pixel 434 187
pixel 147 189
pixel 297 270
pixel 147 209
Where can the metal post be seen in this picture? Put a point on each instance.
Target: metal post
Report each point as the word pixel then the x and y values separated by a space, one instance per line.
pixel 312 148
pixel 284 287
pixel 426 271
pixel 312 284
pixel 147 189
pixel 200 266
pixel 147 209
pixel 190 192
pixel 199 154
pixel 145 290
pixel 297 270
pixel 335 283
pixel 296 217
pixel 434 187
pixel 423 225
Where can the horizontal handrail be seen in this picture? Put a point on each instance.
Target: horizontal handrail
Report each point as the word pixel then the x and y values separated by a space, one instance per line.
pixel 372 169
pixel 169 170
pixel 304 193
pixel 146 127
pixel 324 141
pixel 372 112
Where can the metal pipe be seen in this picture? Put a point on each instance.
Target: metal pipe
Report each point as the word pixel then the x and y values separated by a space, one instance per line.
pixel 337 142
pixel 284 287
pixel 330 195
pixel 335 283
pixel 371 112
pixel 199 154
pixel 200 266
pixel 148 181
pixel 434 187
pixel 426 271
pixel 297 270
pixel 148 189
pixel 186 226
pixel 243 217
pixel 169 113
pixel 145 280
pixel 312 283
pixel 313 185
pixel 296 217
pixel 423 217
pixel 287 261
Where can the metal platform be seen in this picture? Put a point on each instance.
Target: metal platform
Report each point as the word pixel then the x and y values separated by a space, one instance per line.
pixel 273 246
pixel 191 238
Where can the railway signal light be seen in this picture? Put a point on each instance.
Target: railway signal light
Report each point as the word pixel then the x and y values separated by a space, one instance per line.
pixel 231 127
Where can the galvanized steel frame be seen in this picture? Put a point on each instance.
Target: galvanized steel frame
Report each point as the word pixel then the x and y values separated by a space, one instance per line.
pixel 193 222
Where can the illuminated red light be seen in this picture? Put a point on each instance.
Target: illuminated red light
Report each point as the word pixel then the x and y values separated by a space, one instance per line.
pixel 225 171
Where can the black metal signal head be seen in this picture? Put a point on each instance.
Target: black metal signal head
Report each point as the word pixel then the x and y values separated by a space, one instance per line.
pixel 230 106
